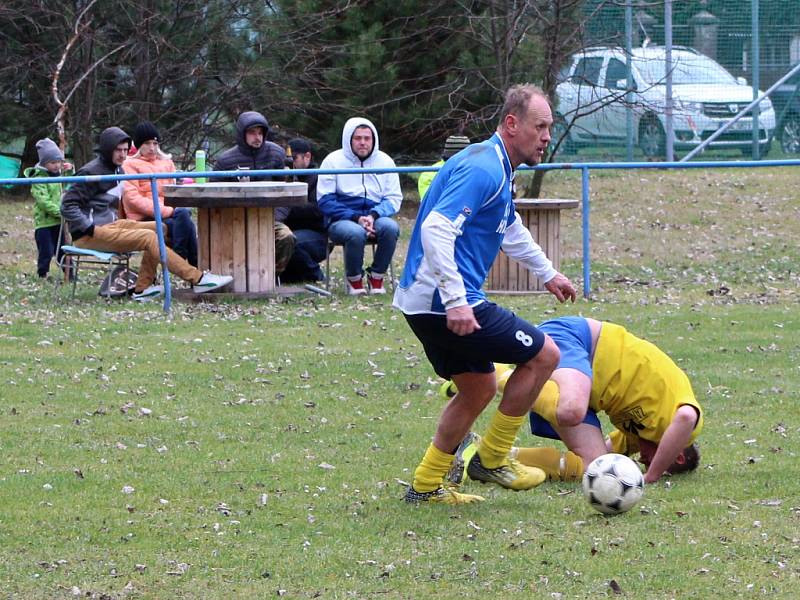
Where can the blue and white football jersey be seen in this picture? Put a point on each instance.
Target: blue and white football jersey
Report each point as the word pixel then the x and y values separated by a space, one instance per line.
pixel 473 192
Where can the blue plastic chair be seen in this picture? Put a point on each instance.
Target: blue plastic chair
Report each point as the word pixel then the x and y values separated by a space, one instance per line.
pixel 97 260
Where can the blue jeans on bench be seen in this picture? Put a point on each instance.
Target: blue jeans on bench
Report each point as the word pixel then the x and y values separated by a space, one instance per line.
pixel 354 237
pixel 182 234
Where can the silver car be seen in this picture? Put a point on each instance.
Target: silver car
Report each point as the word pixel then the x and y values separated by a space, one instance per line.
pixel 592 102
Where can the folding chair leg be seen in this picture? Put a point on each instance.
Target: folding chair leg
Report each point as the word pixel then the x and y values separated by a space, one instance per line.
pixel 76 267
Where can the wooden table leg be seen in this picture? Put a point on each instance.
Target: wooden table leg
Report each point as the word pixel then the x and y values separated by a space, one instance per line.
pixel 260 242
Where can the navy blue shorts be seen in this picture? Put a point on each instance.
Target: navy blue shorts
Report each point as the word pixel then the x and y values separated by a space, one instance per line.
pixel 542 428
pixel 503 338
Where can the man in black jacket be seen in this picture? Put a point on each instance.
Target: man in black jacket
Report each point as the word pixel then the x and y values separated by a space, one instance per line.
pixel 306 222
pixel 90 211
pixel 253 152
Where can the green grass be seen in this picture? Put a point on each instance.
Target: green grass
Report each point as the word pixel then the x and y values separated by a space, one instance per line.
pixel 269 458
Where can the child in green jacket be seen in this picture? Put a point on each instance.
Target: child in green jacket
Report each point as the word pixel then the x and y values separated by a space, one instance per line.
pixel 47 202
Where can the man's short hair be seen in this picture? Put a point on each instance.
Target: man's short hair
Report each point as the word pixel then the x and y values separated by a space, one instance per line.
pixel 691 454
pixel 300 146
pixel 518 97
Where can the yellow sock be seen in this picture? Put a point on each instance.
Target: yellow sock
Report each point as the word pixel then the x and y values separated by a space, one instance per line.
pixel 502 372
pixel 431 471
pixel 559 467
pixel 546 404
pixel 499 438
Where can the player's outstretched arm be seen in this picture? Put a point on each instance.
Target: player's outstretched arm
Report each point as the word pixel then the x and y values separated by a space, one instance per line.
pixel 675 439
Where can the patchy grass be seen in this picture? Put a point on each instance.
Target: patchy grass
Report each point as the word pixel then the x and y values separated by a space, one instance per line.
pixel 258 449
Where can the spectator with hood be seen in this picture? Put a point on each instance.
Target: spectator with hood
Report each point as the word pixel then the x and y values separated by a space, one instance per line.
pixel 359 206
pixel 90 211
pixel 253 152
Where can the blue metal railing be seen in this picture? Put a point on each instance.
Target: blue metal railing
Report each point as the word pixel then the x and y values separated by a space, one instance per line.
pixel 585 169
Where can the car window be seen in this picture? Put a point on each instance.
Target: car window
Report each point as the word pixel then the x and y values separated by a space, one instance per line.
pixel 563 73
pixel 686 69
pixel 617 71
pixel 588 71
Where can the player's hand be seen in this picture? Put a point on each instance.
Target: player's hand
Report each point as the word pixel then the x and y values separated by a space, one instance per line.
pixel 653 477
pixel 561 287
pixel 461 320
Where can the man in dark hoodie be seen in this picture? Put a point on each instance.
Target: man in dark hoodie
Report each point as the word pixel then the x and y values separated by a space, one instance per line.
pixel 90 211
pixel 306 221
pixel 253 152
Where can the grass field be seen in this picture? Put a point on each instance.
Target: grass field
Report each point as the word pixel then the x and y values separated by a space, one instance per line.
pixel 259 449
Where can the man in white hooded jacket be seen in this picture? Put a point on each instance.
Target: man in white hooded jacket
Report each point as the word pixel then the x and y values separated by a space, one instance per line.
pixel 359 206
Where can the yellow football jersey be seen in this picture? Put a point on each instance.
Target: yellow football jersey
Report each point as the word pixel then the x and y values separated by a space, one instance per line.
pixel 638 387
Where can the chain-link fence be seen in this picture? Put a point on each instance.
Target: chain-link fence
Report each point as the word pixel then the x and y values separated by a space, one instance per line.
pixel 674 79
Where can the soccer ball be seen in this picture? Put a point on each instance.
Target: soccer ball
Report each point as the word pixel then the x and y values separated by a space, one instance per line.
pixel 613 484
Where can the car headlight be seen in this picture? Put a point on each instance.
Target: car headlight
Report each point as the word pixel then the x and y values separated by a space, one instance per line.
pixel 692 107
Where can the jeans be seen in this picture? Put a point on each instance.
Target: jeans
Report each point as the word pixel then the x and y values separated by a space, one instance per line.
pixel 182 234
pixel 310 249
pixel 47 242
pixel 354 237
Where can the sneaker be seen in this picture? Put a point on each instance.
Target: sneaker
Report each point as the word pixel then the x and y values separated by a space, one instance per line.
pixel 355 287
pixel 210 282
pixel 512 475
pixel 149 293
pixel 466 450
pixel 441 495
pixel 447 390
pixel 375 284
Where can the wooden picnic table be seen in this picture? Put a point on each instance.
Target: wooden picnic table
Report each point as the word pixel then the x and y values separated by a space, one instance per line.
pixel 542 217
pixel 236 227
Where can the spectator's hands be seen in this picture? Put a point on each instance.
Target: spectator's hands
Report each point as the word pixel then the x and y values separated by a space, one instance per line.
pixel 461 320
pixel 368 223
pixel 67 166
pixel 561 288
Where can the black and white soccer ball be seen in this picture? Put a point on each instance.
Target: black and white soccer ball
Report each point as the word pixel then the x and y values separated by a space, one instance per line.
pixel 613 484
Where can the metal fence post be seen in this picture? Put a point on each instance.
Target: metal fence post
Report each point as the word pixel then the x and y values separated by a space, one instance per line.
pixel 162 246
pixel 587 269
pixel 756 68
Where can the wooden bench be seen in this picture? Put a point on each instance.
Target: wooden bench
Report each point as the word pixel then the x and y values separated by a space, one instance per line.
pixel 542 217
pixel 236 227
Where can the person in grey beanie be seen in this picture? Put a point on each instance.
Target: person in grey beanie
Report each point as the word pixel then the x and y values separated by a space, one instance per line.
pixel 47 204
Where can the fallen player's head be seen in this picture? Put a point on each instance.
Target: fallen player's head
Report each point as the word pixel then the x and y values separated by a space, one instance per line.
pixel 686 461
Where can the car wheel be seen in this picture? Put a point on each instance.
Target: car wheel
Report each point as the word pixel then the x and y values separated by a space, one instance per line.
pixel 652 140
pixel 560 136
pixel 790 134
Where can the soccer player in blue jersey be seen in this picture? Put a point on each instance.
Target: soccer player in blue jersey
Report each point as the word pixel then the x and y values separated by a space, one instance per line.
pixel 466 217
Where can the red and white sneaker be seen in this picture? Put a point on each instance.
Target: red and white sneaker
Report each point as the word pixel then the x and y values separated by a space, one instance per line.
pixel 375 283
pixel 355 287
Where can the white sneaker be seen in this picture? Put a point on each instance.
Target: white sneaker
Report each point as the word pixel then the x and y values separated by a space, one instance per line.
pixel 149 293
pixel 375 284
pixel 355 287
pixel 210 282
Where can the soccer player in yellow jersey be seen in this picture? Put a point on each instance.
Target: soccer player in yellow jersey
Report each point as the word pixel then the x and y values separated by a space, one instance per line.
pixel 647 397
